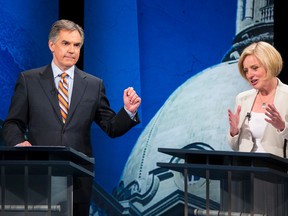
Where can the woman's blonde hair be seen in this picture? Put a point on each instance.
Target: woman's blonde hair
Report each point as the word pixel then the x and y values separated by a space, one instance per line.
pixel 268 56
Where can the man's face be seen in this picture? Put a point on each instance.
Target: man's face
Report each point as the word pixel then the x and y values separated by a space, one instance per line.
pixel 66 49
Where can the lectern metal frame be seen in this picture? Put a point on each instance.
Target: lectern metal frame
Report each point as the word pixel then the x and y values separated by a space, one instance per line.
pixel 42 161
pixel 220 165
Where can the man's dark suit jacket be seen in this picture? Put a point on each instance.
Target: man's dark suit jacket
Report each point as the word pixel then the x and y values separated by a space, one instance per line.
pixel 35 104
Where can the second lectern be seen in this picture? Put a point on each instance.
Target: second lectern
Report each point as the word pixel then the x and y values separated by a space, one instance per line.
pixel 251 184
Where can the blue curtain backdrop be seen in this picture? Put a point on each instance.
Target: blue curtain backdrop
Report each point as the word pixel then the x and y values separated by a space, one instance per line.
pixel 24 29
pixel 154 46
pixel 112 53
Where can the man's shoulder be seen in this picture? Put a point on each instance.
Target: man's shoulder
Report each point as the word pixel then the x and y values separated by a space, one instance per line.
pixel 86 75
pixel 35 71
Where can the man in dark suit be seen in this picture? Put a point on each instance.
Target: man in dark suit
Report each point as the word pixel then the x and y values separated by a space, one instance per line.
pixel 35 106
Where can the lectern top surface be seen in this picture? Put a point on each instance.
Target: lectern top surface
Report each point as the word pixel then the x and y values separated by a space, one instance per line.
pixel 202 155
pixel 44 152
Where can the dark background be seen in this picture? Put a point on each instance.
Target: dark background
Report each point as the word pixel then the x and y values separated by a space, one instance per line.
pixel 281 35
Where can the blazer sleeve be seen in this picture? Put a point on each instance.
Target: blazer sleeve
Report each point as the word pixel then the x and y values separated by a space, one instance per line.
pixel 113 124
pixel 233 141
pixel 14 127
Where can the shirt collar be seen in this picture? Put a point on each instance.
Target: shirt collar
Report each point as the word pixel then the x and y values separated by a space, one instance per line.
pixel 57 71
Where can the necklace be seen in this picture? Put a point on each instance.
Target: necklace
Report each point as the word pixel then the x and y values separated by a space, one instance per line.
pixel 264 103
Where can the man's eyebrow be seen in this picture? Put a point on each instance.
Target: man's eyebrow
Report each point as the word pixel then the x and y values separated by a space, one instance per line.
pixel 76 43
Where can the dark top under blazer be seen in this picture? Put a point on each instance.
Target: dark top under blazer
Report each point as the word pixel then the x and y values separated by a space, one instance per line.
pixel 35 104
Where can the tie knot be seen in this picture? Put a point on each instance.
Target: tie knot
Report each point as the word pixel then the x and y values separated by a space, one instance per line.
pixel 63 75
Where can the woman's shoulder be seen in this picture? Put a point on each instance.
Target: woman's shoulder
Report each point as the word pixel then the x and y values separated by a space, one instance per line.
pixel 282 86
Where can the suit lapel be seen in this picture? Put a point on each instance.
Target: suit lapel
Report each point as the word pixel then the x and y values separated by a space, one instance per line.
pixel 48 85
pixel 247 107
pixel 280 97
pixel 79 87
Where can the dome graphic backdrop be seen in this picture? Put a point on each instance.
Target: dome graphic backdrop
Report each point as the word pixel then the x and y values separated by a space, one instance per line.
pixel 193 117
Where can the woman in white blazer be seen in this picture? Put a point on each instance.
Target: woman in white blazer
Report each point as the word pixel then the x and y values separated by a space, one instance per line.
pixel 260 121
pixel 260 124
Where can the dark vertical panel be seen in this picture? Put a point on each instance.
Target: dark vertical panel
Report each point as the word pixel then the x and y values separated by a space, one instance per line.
pixel 281 35
pixel 74 12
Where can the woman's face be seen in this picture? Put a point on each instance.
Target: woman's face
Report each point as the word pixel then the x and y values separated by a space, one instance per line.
pixel 255 72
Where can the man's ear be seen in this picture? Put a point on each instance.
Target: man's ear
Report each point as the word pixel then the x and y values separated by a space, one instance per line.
pixel 51 46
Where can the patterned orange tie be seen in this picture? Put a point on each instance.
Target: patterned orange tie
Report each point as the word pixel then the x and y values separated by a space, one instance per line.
pixel 63 96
